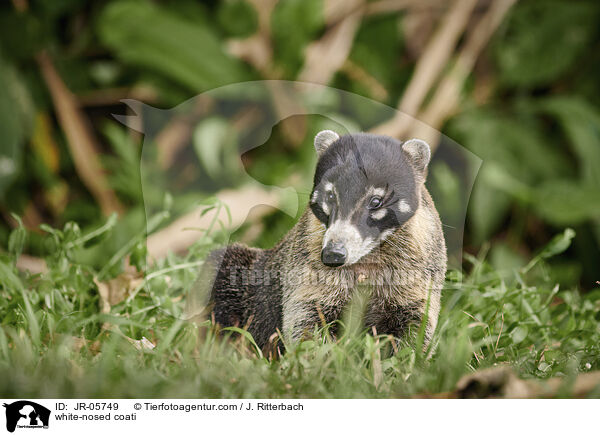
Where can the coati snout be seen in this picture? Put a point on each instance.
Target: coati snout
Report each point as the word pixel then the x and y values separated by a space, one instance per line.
pixel 361 196
pixel 334 254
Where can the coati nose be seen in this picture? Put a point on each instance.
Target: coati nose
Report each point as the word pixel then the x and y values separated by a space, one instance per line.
pixel 334 254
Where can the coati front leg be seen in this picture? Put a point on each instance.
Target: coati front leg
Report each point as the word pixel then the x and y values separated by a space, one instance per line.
pixel 397 320
pixel 299 319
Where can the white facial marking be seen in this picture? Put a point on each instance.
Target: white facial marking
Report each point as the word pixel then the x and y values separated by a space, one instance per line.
pixel 404 207
pixel 378 191
pixel 325 207
pixel 347 234
pixel 379 214
pixel 328 187
pixel 313 198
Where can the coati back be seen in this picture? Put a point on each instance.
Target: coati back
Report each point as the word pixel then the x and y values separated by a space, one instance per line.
pixel 370 221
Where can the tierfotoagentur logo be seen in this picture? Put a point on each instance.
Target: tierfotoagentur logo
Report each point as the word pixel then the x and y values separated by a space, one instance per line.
pixel 224 130
pixel 25 414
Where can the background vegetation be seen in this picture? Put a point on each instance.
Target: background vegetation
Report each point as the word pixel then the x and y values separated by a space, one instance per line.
pixel 76 293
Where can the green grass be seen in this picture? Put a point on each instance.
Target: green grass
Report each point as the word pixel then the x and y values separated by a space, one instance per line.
pixel 56 342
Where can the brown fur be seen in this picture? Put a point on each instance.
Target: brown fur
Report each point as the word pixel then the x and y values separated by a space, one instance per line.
pixel 288 288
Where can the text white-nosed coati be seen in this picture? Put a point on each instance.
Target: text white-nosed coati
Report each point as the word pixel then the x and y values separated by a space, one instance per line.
pixel 371 222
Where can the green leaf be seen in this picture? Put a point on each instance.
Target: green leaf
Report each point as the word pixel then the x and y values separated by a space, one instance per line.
pixel 215 143
pixel 33 33
pixel 15 119
pixel 488 208
pixel 17 238
pixel 519 334
pixel 504 257
pixel 96 236
pixel 542 40
pixel 71 232
pixel 496 176
pixel 567 202
pixel 124 166
pixel 148 36
pixel 247 336
pixel 138 255
pixel 9 278
pixel 375 57
pixel 581 122
pixel 515 156
pixel 294 23
pixel 558 244
pixel 237 17
pixel 513 143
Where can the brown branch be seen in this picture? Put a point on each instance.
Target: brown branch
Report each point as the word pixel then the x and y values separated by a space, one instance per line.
pixel 446 99
pixel 183 232
pixel 335 11
pixel 357 73
pixel 32 218
pixel 81 141
pixel 257 49
pixel 391 6
pixel 286 106
pixel 327 55
pixel 20 5
pixel 428 68
pixel 113 96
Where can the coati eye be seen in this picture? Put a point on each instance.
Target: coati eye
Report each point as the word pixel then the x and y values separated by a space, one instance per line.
pixel 375 203
pixel 330 196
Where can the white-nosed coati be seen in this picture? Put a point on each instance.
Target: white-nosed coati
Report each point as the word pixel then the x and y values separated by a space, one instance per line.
pixel 370 221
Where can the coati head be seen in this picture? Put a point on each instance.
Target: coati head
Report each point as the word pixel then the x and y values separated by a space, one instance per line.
pixel 366 186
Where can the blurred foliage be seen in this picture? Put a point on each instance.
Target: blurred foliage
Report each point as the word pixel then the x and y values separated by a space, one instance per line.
pixel 537 126
pixel 15 119
pixel 151 37
pixel 305 17
pixel 237 18
pixel 543 40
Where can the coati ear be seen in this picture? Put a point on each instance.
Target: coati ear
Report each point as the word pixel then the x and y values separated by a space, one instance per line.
pixel 323 139
pixel 419 154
